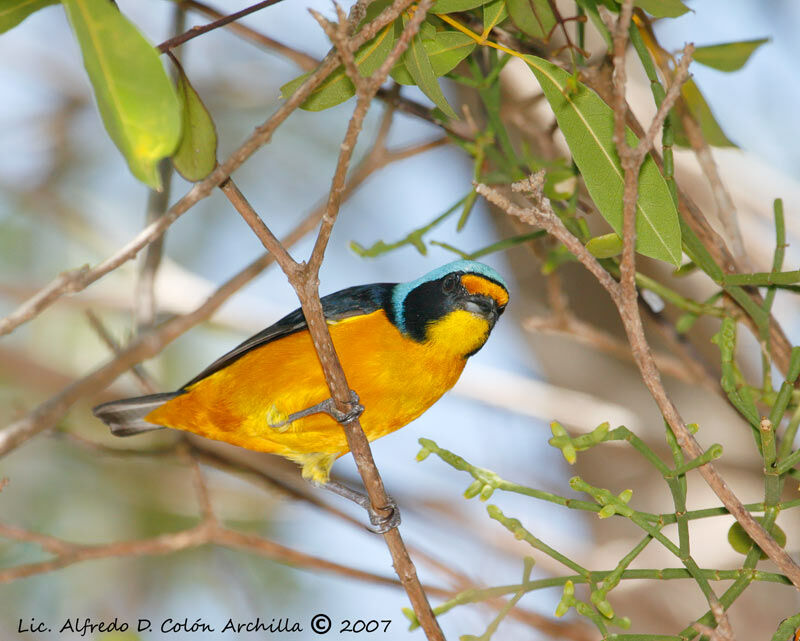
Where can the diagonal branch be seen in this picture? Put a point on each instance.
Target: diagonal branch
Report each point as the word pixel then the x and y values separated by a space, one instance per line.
pixel 304 278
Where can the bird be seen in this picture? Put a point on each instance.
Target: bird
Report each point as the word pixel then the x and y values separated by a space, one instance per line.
pixel 401 345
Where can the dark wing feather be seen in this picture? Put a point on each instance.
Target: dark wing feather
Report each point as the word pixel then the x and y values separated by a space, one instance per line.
pixel 353 301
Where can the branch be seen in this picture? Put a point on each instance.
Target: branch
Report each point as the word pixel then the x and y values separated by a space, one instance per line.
pixel 178 40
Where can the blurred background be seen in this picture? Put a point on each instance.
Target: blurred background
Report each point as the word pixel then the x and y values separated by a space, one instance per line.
pixel 67 199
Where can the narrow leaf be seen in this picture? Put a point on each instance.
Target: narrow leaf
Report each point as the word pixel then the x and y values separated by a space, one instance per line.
pixel 451 6
pixel 662 8
pixel 419 66
pixel 136 99
pixel 15 11
pixel 588 126
pixel 445 51
pixel 338 87
pixel 493 14
pixel 196 155
pixel 699 108
pixel 533 17
pixel 729 56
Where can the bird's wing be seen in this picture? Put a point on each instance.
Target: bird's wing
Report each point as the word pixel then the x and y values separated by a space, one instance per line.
pixel 353 301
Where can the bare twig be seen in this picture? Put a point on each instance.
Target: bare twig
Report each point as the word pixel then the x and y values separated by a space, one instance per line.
pixel 204 533
pixel 726 210
pixel 221 22
pixel 100 329
pixel 587 334
pixel 723 631
pixel 302 60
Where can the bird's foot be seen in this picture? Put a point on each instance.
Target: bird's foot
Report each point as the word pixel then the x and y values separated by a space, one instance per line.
pixel 328 406
pixel 380 524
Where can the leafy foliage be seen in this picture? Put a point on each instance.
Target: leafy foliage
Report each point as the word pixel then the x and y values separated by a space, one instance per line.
pixel 135 97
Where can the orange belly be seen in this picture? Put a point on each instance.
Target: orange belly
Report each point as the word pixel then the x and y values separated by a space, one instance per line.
pixel 396 378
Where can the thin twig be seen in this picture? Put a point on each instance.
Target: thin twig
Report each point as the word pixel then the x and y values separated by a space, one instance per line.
pixel 571 327
pixel 302 60
pixel 101 330
pixel 221 22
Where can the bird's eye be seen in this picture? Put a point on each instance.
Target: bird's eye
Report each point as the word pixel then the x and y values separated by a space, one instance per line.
pixel 449 283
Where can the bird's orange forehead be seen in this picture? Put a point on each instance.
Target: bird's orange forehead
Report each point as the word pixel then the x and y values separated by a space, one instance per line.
pixel 480 285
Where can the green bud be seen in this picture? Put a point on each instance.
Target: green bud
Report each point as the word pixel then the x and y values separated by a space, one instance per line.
pixel 473 490
pixel 604 608
pixel 607 511
pixel 625 496
pixel 570 455
pixel 423 454
pixel 599 432
pixel 486 492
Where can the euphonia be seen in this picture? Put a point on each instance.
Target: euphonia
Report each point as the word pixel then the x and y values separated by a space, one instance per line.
pixel 402 345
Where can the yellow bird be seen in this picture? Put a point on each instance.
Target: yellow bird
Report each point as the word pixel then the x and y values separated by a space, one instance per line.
pixel 402 345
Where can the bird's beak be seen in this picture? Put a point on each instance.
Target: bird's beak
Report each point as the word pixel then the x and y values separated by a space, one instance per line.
pixel 483 306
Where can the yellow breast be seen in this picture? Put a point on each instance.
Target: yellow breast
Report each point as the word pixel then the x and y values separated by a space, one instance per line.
pixel 396 378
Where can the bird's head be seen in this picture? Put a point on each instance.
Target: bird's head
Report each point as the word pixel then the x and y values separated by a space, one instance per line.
pixel 453 307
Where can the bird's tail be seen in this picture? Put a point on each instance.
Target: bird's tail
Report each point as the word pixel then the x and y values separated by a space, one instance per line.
pixel 126 417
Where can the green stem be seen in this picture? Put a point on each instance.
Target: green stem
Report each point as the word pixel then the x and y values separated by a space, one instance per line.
pixel 519 532
pixel 713 452
pixel 478 595
pixel 761 279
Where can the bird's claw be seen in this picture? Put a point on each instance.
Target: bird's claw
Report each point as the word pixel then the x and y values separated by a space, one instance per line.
pixel 382 524
pixel 328 406
pixel 343 418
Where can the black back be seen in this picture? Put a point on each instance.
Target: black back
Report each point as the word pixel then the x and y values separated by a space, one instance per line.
pixel 353 301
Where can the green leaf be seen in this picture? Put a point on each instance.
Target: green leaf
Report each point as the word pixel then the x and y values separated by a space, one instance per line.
pixel 662 8
pixel 533 17
pixel 419 66
pixel 730 56
pixel 699 108
pixel 338 87
pixel 452 6
pixel 605 246
pixel 588 126
pixel 493 14
pixel 196 155
pixel 15 11
pixel 136 99
pixel 445 51
pixel 741 541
